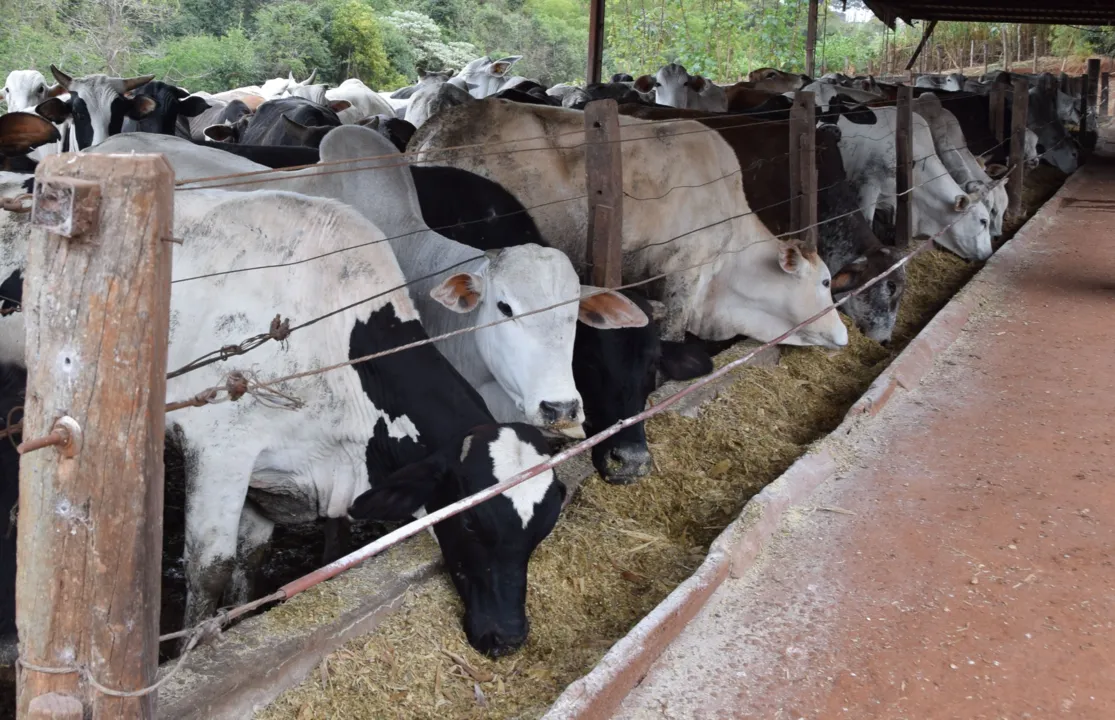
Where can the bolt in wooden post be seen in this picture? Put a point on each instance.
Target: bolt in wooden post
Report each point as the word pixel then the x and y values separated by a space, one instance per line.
pixel 1019 114
pixel 803 167
pixel 1105 94
pixel 604 183
pixel 998 106
pixel 96 307
pixel 904 169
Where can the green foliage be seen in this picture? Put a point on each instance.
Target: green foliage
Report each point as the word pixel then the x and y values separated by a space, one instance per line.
pixel 430 51
pixel 204 62
pixel 356 40
pixel 291 38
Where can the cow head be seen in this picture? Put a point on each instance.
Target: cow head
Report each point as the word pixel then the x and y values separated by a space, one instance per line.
pixel 483 77
pixel 1055 146
pixel 24 90
pixel 672 86
pixel 230 131
pixel 305 135
pixel 874 310
pixel 97 106
pixel 777 81
pixel 531 357
pixel 616 371
pixel 171 103
pixel 486 548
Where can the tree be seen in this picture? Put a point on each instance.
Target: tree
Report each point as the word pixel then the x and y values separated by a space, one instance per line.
pixel 357 42
pixel 204 62
pixel 424 36
pixel 291 38
pixel 113 29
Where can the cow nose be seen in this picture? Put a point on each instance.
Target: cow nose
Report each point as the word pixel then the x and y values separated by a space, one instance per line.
pixel 625 464
pixel 498 643
pixel 555 412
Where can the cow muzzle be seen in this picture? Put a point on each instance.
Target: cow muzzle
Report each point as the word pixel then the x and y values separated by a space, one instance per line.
pixel 625 464
pixel 562 417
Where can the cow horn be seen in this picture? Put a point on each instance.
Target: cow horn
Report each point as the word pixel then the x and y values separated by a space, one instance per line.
pixel 63 79
pixel 134 82
pixel 310 79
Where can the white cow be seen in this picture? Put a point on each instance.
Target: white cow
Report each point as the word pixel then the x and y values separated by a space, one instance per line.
pixel 526 364
pixel 25 90
pixel 483 76
pixel 952 149
pixel 939 204
pixel 363 101
pixel 726 274
pixel 672 85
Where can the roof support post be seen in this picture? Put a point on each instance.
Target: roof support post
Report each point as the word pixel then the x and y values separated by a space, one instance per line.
pixel 1092 92
pixel 1020 111
pixel 595 65
pixel 1105 97
pixel 921 45
pixel 811 39
pixel 803 168
pixel 904 168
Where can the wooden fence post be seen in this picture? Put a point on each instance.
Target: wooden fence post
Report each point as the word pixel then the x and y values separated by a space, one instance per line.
pixel 803 167
pixel 1105 94
pixel 998 105
pixel 1035 53
pixel 604 184
pixel 1020 111
pixel 985 60
pixel 96 304
pixel 904 169
pixel 1064 84
pixel 1082 105
pixel 1092 92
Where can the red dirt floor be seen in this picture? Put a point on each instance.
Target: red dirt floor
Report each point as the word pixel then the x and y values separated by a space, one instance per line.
pixel 976 577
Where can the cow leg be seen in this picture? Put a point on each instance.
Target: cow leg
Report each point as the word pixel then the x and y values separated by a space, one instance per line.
pixel 215 497
pixel 338 539
pixel 252 546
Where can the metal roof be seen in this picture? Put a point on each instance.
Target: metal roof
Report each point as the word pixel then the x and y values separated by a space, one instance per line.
pixel 1051 12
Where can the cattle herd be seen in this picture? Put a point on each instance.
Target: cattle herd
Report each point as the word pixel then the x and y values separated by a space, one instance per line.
pixel 484 230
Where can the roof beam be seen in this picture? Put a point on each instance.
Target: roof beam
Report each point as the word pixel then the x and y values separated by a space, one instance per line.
pixel 921 45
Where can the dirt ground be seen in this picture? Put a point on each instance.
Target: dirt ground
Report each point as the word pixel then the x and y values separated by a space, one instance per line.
pixel 964 565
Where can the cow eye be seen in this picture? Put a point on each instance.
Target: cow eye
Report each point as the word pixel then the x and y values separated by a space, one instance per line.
pixel 892 287
pixel 826 282
pixel 42 88
pixel 504 308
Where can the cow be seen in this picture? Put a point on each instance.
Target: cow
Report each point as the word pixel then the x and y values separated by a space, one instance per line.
pixel 622 78
pixel 744 97
pixel 20 134
pixel 399 132
pixel 720 271
pixel 952 149
pixel 289 121
pixel 778 81
pixel 846 244
pixel 484 76
pixel 952 82
pixel 433 97
pixel 941 209
pixel 220 112
pixel 363 101
pixel 614 370
pixel 383 439
pixel 281 87
pixel 675 87
pixel 623 93
pixel 173 109
pixel 24 90
pixel 97 106
pixel 524 365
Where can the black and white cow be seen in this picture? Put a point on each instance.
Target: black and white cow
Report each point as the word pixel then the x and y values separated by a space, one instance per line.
pixel 288 121
pixel 615 370
pixel 97 106
pixel 220 112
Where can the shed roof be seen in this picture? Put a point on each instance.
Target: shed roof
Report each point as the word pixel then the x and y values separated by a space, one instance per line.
pixel 1052 12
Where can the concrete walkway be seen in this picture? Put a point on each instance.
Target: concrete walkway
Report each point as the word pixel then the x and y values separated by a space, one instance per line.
pixel 964 564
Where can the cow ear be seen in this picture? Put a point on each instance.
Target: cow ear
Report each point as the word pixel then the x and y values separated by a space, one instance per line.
pixel 996 171
pixel 295 129
pixel 340 105
pixel 645 83
pixel 21 132
pixel 460 293
pixel 850 276
pixel 56 90
pixel 981 162
pixel 401 494
pixel 500 67
pixel 962 203
pixel 55 110
pixel 684 361
pixel 853 111
pixel 192 106
pixel 221 133
pixel 609 310
pixel 697 83
pixel 141 107
pixel 791 259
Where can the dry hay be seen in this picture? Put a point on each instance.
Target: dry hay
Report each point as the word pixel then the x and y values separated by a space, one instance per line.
pixel 617 551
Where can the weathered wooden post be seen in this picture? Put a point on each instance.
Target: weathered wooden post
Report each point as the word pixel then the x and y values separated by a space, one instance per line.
pixel 803 167
pixel 1020 111
pixel 985 59
pixel 1066 88
pixel 1093 89
pixel 604 184
pixel 904 169
pixel 1035 52
pixel 96 306
pixel 1082 105
pixel 998 105
pixel 1105 94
